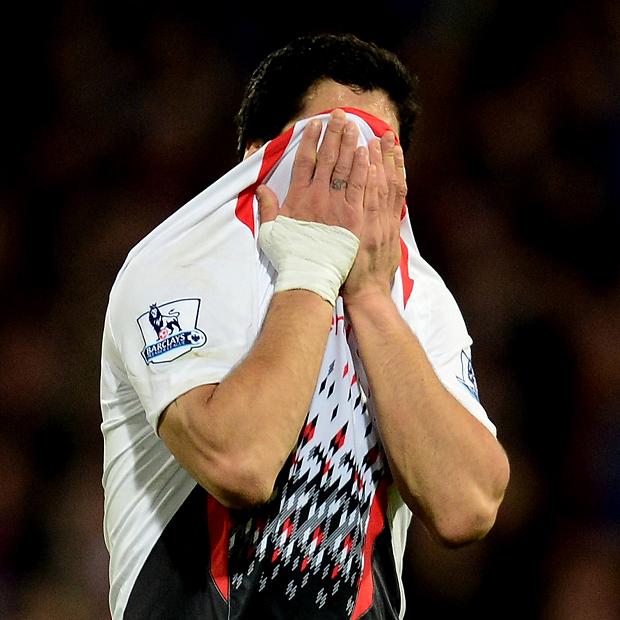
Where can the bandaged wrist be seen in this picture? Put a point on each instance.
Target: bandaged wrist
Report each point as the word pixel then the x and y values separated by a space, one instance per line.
pixel 308 255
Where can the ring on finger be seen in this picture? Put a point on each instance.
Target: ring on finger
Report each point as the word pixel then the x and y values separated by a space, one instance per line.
pixel 338 184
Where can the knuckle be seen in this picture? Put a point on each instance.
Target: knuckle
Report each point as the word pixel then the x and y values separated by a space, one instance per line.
pixel 304 161
pixel 349 140
pixel 400 188
pixel 341 170
pixel 336 124
pixel 328 158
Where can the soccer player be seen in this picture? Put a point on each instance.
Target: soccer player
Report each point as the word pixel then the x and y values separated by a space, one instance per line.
pixel 285 380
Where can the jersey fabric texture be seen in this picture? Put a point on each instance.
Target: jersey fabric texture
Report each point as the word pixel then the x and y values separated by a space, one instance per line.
pixel 185 309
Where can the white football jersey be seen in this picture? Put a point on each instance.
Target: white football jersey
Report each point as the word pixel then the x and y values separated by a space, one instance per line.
pixel 186 308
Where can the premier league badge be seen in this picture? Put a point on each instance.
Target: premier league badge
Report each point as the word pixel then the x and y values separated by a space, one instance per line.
pixel 170 330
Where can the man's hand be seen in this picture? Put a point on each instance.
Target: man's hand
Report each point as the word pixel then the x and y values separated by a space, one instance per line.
pixel 313 240
pixel 379 253
pixel 313 196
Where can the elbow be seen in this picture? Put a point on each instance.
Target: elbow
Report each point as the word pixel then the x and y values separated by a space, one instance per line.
pixel 460 529
pixel 237 486
pixel 474 519
pixel 238 477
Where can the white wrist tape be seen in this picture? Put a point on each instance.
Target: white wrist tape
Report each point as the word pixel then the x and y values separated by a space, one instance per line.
pixel 308 255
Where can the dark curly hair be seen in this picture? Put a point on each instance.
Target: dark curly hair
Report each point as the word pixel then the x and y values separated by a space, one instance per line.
pixel 275 93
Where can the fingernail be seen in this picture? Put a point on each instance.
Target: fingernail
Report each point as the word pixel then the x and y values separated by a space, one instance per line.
pixel 350 128
pixel 315 125
pixel 390 138
pixel 337 113
pixel 260 190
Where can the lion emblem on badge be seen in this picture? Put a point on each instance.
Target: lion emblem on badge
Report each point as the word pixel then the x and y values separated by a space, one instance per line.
pixel 163 324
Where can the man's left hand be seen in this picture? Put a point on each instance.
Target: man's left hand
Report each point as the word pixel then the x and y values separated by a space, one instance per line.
pixel 379 252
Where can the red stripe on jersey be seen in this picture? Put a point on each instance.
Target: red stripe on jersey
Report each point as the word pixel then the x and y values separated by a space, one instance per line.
pixel 273 152
pixel 376 523
pixel 218 521
pixel 404 272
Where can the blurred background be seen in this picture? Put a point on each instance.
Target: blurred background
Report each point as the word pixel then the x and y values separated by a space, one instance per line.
pixel 116 113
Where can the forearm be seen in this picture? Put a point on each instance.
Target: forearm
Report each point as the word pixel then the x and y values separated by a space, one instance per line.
pixel 258 410
pixel 447 466
pixel 236 442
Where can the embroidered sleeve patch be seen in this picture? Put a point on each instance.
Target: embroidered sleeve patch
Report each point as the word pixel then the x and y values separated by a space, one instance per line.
pixel 170 330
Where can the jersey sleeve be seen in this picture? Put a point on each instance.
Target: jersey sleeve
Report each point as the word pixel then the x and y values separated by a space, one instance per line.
pixel 434 316
pixel 183 316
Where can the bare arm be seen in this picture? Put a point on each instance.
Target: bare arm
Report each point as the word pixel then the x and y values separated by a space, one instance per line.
pixel 235 437
pixel 448 468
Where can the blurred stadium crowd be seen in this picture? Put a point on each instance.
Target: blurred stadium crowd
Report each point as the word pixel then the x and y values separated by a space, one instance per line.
pixel 118 113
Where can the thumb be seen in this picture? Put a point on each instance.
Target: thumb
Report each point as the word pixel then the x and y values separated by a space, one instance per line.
pixel 267 204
